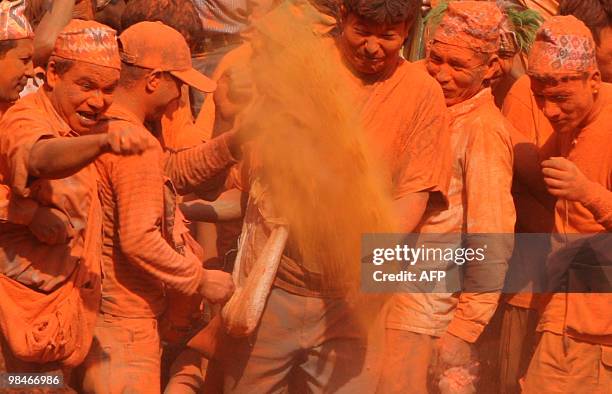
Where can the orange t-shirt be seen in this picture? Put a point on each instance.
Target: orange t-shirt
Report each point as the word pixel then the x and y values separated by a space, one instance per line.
pixel 147 246
pixel 405 122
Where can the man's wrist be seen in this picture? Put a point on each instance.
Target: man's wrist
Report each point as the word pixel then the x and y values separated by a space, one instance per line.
pixel 589 193
pixel 103 143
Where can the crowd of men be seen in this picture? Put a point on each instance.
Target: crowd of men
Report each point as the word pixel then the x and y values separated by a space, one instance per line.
pixel 111 140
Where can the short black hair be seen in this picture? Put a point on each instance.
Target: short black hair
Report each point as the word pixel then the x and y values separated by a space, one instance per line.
pixel 181 15
pixel 61 65
pixel 131 74
pixel 595 14
pixel 5 46
pixel 384 11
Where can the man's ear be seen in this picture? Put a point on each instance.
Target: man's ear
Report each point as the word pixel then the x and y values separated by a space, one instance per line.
pixel 342 14
pixel 153 80
pixel 594 81
pixel 494 68
pixel 51 77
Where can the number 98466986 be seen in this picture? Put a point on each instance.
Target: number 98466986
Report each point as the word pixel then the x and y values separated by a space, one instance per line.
pixel 30 380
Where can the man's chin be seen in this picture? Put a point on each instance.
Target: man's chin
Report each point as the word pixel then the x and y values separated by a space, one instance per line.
pixel 563 128
pixel 81 128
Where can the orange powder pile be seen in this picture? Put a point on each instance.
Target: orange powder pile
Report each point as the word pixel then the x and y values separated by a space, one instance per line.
pixel 312 156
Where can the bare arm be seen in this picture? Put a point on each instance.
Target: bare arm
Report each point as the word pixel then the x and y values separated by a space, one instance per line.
pixel 226 207
pixel 50 26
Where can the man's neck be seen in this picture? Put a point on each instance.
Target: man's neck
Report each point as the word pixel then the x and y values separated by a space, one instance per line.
pixel 4 106
pixel 598 105
pixel 130 101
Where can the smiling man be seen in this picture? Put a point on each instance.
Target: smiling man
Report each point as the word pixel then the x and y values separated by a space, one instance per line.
pixel 402 108
pixel 51 292
pixel 462 57
pixel 15 53
pixel 404 121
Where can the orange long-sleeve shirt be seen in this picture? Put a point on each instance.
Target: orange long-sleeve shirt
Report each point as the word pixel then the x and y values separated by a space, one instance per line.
pixel 521 109
pixel 480 201
pixel 146 245
pixel 582 315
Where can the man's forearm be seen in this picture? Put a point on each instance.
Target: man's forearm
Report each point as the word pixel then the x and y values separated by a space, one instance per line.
pixel 226 207
pixel 52 23
pixel 63 156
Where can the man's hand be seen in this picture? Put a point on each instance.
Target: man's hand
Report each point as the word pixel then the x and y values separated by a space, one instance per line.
pixel 51 226
pixel 453 351
pixel 217 286
pixel 564 180
pixel 125 142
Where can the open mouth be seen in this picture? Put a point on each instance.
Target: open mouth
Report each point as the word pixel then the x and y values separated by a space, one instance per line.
pixel 87 118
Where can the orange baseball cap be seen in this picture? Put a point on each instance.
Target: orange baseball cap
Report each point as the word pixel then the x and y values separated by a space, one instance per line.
pixel 157 46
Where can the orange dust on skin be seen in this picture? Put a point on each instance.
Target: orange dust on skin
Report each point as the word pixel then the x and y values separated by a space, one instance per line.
pixel 568 103
pixel 371 49
pixel 461 72
pixel 163 90
pixel 82 94
pixel 84 9
pixel 16 66
pixel 604 54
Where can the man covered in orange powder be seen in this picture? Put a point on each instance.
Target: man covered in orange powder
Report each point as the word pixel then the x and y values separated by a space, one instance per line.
pixel 50 293
pixel 463 58
pixel 575 347
pixel 147 250
pixel 309 334
pixel 535 142
pixel 15 52
pixel 16 64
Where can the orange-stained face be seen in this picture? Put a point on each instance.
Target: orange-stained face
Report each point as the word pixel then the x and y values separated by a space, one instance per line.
pixel 604 54
pixel 461 72
pixel 566 103
pixel 165 91
pixel 16 66
pixel 370 48
pixel 82 94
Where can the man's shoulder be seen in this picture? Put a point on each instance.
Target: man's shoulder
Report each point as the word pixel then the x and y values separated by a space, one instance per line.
pixel 417 90
pixel 520 93
pixel 28 109
pixel 109 160
pixel 486 121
